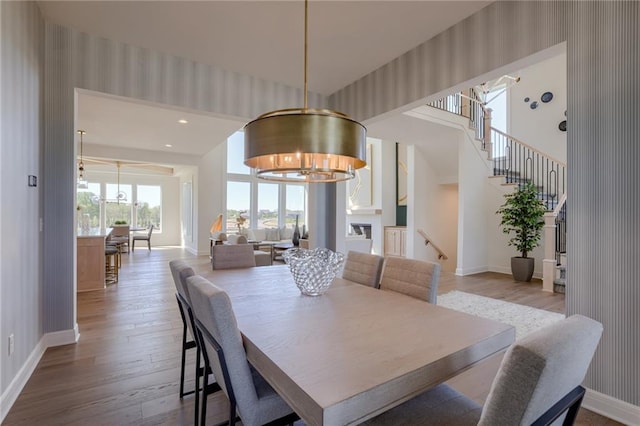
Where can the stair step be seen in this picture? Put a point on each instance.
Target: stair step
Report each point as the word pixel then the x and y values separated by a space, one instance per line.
pixel 559 288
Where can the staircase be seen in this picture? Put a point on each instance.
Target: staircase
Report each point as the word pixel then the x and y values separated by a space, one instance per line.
pixel 559 281
pixel 517 162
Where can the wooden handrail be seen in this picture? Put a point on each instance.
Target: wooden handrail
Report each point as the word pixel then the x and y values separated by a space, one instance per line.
pixel 493 129
pixel 427 241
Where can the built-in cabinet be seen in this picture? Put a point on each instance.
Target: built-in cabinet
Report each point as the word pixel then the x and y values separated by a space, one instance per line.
pixel 395 241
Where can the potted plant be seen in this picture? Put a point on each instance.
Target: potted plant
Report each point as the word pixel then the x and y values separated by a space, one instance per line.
pixel 522 214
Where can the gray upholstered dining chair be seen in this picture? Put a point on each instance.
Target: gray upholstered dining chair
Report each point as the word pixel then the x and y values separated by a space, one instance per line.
pixel 144 237
pixel 363 268
pixel 538 383
pixel 178 267
pixel 250 396
pixel 415 278
pixel 180 271
pixel 230 256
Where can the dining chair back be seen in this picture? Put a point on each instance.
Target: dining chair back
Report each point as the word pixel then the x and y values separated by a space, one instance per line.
pixel 230 256
pixel 363 268
pixel 144 237
pixel 538 383
pixel 255 401
pixel 416 278
pixel 179 267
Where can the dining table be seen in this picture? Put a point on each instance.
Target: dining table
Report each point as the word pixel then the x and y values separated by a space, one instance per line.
pixel 355 351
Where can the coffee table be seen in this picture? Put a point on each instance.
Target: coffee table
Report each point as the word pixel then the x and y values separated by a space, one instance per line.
pixel 279 248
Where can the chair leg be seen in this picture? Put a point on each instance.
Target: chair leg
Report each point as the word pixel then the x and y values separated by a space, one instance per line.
pixel 133 245
pixel 205 384
pixel 197 403
pixel 183 361
pixel 149 243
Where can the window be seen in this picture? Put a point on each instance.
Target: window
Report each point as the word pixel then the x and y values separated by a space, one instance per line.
pixel 296 202
pixel 263 205
pixel 238 205
pixel 235 154
pixel 118 203
pixel 268 201
pixel 148 206
pixel 88 206
pixel 98 205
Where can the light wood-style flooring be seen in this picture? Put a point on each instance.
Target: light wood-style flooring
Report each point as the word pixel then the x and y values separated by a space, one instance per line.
pixel 125 369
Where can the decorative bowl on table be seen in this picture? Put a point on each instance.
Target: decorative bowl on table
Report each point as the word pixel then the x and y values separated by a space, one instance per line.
pixel 313 270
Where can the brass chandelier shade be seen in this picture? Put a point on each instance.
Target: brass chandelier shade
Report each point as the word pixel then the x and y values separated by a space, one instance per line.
pixel 308 145
pixel 304 144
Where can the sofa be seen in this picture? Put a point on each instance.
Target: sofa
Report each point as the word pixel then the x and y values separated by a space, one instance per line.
pixel 262 258
pixel 276 235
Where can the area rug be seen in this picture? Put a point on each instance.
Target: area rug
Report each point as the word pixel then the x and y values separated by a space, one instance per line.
pixel 524 318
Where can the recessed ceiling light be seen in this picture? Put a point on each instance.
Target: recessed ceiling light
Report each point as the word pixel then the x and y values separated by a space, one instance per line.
pixel 182 121
pixel 168 145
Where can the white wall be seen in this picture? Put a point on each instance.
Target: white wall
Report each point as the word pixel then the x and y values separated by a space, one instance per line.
pixel 539 127
pixel 445 234
pixel 432 207
pixel 210 194
pixel 473 209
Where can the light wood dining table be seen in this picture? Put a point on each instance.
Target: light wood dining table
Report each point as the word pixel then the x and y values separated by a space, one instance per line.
pixel 355 351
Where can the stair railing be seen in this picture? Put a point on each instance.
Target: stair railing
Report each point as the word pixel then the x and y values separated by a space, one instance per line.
pixel 469 106
pixel 519 162
pixel 555 242
pixel 560 213
pixel 427 241
pixel 515 160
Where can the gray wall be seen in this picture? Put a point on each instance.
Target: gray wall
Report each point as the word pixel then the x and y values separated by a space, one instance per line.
pixel 603 151
pixel 603 50
pixel 20 206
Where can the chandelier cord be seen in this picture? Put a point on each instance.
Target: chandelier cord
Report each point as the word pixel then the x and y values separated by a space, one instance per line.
pixel 306 36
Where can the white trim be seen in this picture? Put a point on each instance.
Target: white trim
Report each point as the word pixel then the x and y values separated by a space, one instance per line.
pixel 12 391
pixel 507 270
pixel 194 252
pixel 469 271
pixel 64 337
pixel 612 408
pixel 48 340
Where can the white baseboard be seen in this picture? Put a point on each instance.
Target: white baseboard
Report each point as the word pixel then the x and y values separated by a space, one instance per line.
pixel 612 408
pixel 468 271
pixel 12 391
pixel 507 270
pixel 48 340
pixel 64 337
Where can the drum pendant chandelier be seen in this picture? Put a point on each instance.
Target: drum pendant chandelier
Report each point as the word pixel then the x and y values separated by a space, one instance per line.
pixel 304 144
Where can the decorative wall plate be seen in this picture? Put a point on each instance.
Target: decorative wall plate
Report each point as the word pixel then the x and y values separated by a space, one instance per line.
pixel 563 126
pixel 546 97
pixel 533 105
pixel 527 99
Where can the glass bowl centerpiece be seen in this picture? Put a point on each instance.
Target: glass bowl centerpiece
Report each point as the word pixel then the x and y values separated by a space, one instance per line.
pixel 313 270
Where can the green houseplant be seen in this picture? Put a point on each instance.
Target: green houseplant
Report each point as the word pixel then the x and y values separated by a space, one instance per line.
pixel 523 215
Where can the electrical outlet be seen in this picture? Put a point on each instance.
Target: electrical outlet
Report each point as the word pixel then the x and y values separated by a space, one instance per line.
pixel 11 344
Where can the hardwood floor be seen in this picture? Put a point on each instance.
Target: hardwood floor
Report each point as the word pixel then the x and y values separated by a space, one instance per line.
pixel 126 367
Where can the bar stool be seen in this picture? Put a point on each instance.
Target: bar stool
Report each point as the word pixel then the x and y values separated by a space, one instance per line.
pixel 117 245
pixel 111 264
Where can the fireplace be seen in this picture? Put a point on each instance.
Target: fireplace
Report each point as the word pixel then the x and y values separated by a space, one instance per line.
pixel 362 229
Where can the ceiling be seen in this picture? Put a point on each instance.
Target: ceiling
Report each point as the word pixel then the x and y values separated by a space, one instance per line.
pixel 347 40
